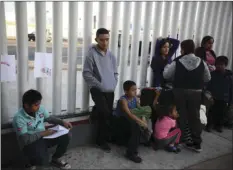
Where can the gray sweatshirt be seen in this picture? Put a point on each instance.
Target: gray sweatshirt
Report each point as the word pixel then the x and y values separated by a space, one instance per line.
pixel 190 62
pixel 100 71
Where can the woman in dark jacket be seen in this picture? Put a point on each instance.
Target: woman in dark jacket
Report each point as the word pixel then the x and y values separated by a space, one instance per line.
pixel 206 53
pixel 164 50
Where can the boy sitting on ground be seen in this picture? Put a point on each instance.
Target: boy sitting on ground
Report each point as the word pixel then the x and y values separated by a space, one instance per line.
pixel 29 126
pixel 128 125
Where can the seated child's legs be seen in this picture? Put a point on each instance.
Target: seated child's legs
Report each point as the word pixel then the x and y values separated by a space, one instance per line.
pixel 176 133
pixel 173 138
pixel 61 142
pixel 134 138
pixel 37 153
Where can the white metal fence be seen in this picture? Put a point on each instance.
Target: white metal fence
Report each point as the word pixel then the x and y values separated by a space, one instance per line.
pixel 67 90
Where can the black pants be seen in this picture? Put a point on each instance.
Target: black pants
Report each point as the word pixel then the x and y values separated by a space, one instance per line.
pixel 37 152
pixel 217 113
pixel 127 132
pixel 102 113
pixel 188 106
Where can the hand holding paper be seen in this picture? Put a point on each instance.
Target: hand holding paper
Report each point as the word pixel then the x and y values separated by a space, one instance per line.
pixel 59 131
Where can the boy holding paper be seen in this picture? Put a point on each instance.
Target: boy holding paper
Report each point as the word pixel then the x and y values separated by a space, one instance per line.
pixel 29 126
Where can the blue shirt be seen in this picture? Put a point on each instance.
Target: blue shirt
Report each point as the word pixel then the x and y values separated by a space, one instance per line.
pixel 132 104
pixel 24 123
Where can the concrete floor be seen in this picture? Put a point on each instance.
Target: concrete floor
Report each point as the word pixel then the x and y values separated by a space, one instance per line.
pixel 214 145
pixel 216 154
pixel 222 162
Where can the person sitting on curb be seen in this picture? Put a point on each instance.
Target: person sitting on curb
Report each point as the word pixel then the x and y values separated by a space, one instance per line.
pixel 28 123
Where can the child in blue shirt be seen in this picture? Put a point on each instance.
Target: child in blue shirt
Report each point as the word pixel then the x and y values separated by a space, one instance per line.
pixel 128 124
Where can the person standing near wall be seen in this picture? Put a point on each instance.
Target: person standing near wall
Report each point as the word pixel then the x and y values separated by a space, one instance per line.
pixel 164 50
pixel 100 73
pixel 188 74
pixel 206 53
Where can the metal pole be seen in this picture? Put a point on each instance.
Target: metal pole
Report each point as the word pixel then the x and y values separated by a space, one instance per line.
pixel 229 32
pixel 145 45
pixel 115 27
pixel 165 27
pixel 40 13
pixel 192 8
pixel 199 22
pixel 228 42
pixel 204 30
pixel 219 25
pixel 184 21
pixel 157 18
pixel 114 33
pixel 3 51
pixel 57 57
pixel 212 18
pixel 22 49
pixel 135 40
pixel 175 18
pixel 87 40
pixel 72 57
pixel 124 45
pixel 224 27
pixel 102 21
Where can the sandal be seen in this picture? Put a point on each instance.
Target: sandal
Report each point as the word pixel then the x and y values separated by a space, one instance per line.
pixel 61 164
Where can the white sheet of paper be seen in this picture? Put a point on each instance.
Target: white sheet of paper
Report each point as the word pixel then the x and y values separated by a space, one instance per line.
pixel 43 65
pixel 60 132
pixel 8 68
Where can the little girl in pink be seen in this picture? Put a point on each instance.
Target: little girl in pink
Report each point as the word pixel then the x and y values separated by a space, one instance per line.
pixel 166 134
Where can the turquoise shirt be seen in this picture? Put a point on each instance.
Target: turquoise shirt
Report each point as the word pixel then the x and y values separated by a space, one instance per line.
pixel 24 123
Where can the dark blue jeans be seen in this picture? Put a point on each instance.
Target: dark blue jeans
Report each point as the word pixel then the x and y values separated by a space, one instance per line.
pixel 37 152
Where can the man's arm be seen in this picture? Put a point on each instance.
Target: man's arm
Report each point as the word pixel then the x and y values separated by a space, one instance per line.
pixel 207 75
pixel 115 67
pixel 21 129
pixel 175 44
pixel 125 109
pixel 88 73
pixel 169 71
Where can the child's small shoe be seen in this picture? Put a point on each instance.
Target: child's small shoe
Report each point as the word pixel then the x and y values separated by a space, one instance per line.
pixel 177 149
pixel 170 148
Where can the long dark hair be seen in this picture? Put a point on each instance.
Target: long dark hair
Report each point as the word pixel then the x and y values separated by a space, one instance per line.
pixel 164 110
pixel 162 43
pixel 205 40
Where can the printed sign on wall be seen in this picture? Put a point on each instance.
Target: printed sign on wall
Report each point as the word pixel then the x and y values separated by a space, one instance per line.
pixel 8 68
pixel 43 65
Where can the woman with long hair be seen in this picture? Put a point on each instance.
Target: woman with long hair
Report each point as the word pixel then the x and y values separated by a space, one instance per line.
pixel 164 50
pixel 206 53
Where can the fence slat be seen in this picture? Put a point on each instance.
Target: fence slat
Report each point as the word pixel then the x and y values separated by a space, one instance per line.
pixel 135 40
pixel 156 32
pixel 40 15
pixel 22 48
pixel 87 40
pixel 124 45
pixel 145 44
pixel 72 57
pixel 57 57
pixel 5 115
pixel 102 19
